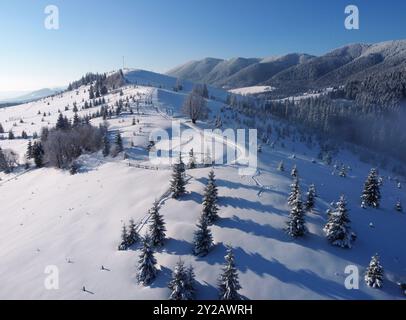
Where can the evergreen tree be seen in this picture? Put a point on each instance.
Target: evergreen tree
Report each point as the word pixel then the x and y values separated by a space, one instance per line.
pixel 157 227
pixel 1 128
pixel 210 198
pixel 311 198
pixel 337 229
pixel 178 182
pixel 371 195
pixel 91 93
pixel 76 120
pixel 147 270
pixel 11 135
pixel 281 166
pixel 203 239
pixel 296 224
pixel 398 206
pixel 124 239
pixel 228 282
pixel 192 160
pixel 133 236
pixel 119 143
pixel 190 281
pixel 180 285
pixel 106 145
pixel 38 154
pixel 295 190
pixel 343 172
pixel 294 173
pixel 29 153
pixel 375 273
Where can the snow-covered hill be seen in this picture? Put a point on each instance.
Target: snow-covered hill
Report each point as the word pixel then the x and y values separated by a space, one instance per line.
pixel 51 218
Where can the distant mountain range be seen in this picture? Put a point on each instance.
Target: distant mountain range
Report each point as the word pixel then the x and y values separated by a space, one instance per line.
pixel 20 97
pixel 297 72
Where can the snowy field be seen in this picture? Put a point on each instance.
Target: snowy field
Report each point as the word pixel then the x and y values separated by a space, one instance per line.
pixel 51 218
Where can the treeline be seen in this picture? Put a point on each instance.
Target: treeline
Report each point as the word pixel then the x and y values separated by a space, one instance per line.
pixel 100 82
pixel 372 126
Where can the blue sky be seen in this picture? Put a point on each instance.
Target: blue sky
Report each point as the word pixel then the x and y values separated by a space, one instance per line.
pixel 160 34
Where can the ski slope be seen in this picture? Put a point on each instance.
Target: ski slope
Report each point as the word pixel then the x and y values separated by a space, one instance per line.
pixel 50 218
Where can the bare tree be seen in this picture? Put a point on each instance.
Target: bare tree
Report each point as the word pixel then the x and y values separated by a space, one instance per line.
pixel 195 107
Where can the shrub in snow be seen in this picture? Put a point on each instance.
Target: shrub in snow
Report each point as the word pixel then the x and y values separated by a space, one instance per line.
pixel 375 273
pixel 157 227
pixel 192 160
pixel 182 285
pixel 337 229
pixel 147 270
pixel 228 282
pixel 371 195
pixel 203 239
pixel 281 166
pixel 294 173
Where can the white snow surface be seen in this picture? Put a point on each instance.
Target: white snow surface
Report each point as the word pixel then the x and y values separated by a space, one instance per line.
pixel 51 218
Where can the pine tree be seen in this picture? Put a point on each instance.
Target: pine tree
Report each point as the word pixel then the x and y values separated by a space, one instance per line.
pixel 337 229
pixel 294 173
pixel 38 154
pixel 192 160
pixel 210 198
pixel 124 239
pixel 106 145
pixel 375 273
pixel 147 270
pixel 311 198
pixel 203 239
pixel 398 206
pixel 343 172
pixel 119 143
pixel 190 281
pixel 1 128
pixel 157 227
pixel 76 120
pixel 181 286
pixel 178 182
pixel 295 190
pixel 281 166
pixel 296 224
pixel 11 135
pixel 371 195
pixel 29 153
pixel 228 282
pixel 133 236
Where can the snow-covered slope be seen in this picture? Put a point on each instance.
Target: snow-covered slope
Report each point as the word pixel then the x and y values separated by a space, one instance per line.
pixel 50 218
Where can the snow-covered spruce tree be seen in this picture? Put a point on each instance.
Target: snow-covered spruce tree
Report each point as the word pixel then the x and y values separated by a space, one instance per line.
pixel 311 198
pixel 179 285
pixel 296 224
pixel 371 196
pixel 178 182
pixel 190 281
pixel 281 166
pixel 38 154
pixel 192 160
pixel 375 273
pixel 228 282
pixel 133 236
pixel 294 173
pixel 210 198
pixel 157 227
pixel 295 190
pixel 119 143
pixel 337 229
pixel 124 239
pixel 343 172
pixel 28 154
pixel 106 145
pixel 203 239
pixel 398 206
pixel 147 270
